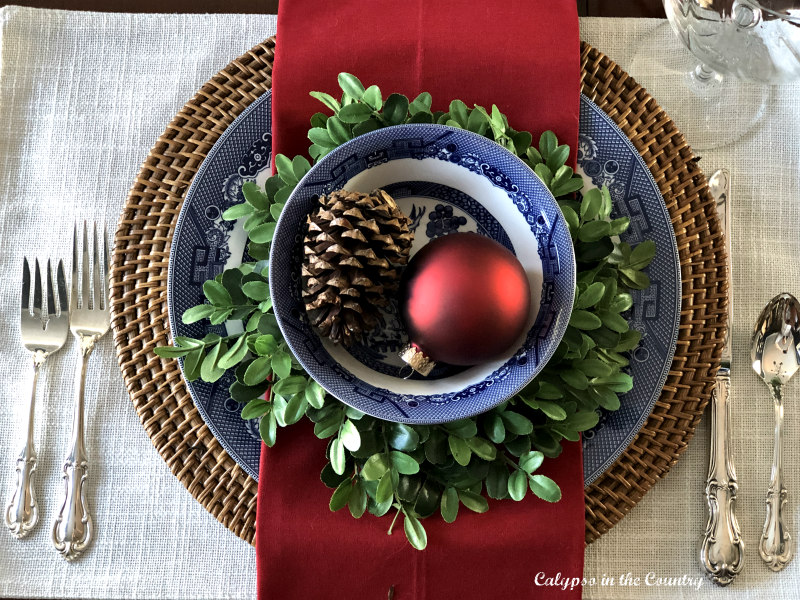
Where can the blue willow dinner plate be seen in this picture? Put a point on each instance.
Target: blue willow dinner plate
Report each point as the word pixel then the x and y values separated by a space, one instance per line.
pixel 204 245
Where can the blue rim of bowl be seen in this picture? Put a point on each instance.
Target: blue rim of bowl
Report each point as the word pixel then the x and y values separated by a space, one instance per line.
pixel 281 273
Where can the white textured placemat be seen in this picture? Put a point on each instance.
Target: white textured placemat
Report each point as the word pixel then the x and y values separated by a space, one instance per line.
pixel 83 96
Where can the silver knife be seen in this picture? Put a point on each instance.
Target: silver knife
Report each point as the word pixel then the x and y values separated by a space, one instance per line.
pixel 722 548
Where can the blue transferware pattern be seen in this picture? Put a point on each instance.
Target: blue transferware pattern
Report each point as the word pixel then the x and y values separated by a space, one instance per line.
pixel 524 200
pixel 202 248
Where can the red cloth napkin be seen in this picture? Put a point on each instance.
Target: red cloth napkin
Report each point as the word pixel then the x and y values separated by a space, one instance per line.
pixel 524 57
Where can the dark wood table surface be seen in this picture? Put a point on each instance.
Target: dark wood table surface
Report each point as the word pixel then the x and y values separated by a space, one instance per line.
pixel 595 8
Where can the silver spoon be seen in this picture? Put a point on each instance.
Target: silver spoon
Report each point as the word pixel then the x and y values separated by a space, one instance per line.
pixel 775 352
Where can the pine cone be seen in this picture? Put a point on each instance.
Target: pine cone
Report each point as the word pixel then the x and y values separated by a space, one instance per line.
pixel 353 250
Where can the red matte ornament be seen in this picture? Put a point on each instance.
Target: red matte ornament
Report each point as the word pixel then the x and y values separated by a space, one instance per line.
pixel 465 299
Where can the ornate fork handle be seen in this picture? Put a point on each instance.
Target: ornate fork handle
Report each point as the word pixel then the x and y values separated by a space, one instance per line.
pixel 73 527
pixel 722 549
pixel 776 547
pixel 22 512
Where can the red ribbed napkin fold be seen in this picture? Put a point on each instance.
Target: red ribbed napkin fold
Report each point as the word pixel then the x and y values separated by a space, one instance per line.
pixel 524 57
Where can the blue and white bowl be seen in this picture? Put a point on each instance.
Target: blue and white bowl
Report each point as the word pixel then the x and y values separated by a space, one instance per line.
pixel 445 180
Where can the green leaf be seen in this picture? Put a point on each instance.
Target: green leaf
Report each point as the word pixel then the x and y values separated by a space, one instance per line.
pixel 351 86
pixel 350 437
pixel 477 122
pixel 257 290
pixel 593 367
pixel 287 386
pixel 634 279
pixel 605 397
pixel 196 313
pixel 372 96
pixel 396 109
pixel 544 173
pixel 237 211
pixel 629 340
pixel 295 408
pixel 315 395
pixel 621 303
pixel 464 428
pixel 321 137
pixel 530 461
pixel 421 103
pixel 209 371
pixel 458 112
pixel 404 464
pixel 358 501
pixel 337 130
pixel 385 490
pixel 574 378
pixel 341 495
pixel 402 437
pixel 497 481
pixel 548 391
pixel 254 196
pixel 257 371
pixel 255 408
pixel 558 157
pixel 192 363
pixel 522 141
pixel 268 429
pixel 591 295
pixel 235 355
pixel 585 320
pixel 494 428
pixel 593 231
pixel 460 450
pixel 415 532
pixel 618 382
pixel 265 345
pixel 281 363
pixel 582 421
pixel 620 225
pixel 337 456
pixel 614 321
pixel 545 488
pixel 552 410
pixel 327 100
pixel 170 351
pixel 474 502
pixel 283 165
pixel 216 293
pixel 642 254
pixel 591 204
pixel 355 113
pixel 482 448
pixel 571 217
pixel 517 485
pixel 449 504
pixel 300 166
pixel 516 423
pixel 547 143
pixel 370 124
pixel 263 234
pixel 375 467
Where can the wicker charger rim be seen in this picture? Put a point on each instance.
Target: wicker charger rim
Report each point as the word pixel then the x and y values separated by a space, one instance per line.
pixel 139 299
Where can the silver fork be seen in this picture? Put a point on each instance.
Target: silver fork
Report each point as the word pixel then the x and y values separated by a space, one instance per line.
pixel 43 331
pixel 89 321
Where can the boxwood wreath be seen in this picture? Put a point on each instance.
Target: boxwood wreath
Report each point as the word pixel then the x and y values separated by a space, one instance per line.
pixel 418 470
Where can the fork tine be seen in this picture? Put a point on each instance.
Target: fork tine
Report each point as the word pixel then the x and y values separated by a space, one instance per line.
pixel 51 302
pixel 73 297
pixel 86 293
pixel 25 305
pixel 98 283
pixel 37 291
pixel 61 281
pixel 106 266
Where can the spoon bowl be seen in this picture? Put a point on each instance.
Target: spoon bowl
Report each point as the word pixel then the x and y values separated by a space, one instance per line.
pixel 775 354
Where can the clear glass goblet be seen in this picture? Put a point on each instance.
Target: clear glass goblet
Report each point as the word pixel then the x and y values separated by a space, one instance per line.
pixel 742 47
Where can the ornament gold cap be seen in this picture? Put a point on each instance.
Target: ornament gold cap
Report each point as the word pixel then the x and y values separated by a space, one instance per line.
pixel 415 358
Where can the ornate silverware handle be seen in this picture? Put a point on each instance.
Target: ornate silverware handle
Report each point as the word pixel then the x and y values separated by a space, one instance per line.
pixel 22 512
pixel 73 527
pixel 776 546
pixel 722 549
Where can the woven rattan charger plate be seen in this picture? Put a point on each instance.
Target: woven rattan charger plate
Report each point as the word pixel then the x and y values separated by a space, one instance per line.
pixel 139 293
